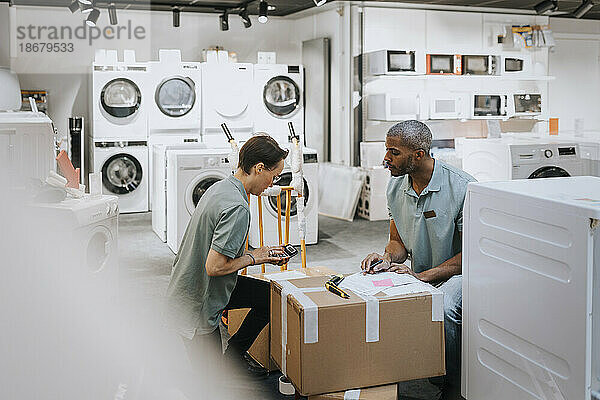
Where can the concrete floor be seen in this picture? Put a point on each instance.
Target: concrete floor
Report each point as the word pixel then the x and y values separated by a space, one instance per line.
pixel 146 264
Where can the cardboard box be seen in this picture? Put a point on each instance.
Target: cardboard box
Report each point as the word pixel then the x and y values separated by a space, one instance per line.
pixel 387 392
pixel 330 352
pixel 260 349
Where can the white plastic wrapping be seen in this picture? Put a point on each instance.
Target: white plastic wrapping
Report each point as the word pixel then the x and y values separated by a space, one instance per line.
pixel 296 160
pixel 301 218
pixel 234 156
pixel 272 191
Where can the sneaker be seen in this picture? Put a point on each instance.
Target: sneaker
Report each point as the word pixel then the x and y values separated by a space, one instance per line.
pixel 253 368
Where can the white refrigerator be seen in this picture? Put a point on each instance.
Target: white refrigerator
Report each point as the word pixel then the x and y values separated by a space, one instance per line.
pixel 531 291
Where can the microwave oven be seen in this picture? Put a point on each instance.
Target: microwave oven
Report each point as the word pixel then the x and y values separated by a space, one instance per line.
pixel 394 62
pixel 516 65
pixel 489 106
pixel 480 65
pixel 393 107
pixel 525 104
pixel 444 64
pixel 448 106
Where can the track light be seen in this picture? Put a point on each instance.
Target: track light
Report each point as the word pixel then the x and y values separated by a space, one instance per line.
pixel 85 7
pixel 224 21
pixel 74 6
pixel 262 12
pixel 583 9
pixel 176 17
pixel 93 17
pixel 319 3
pixel 245 18
pixel 112 14
pixel 546 6
pixel 88 2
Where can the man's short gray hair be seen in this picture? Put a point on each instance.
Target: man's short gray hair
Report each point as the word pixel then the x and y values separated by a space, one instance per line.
pixel 414 134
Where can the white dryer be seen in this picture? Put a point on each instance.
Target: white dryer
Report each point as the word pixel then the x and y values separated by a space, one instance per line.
pixel 278 99
pixel 124 167
pixel 175 90
pixel 119 103
pixel 88 232
pixel 311 207
pixel 189 174
pixel 158 186
pixel 226 98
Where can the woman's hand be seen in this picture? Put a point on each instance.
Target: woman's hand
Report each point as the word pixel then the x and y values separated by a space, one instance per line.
pixel 270 254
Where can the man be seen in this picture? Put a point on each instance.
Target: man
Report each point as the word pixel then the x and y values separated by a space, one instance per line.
pixel 425 199
pixel 205 278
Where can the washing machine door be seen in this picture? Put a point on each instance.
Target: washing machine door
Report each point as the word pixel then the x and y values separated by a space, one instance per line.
pixel 549 172
pixel 231 98
pixel 281 96
pixel 286 179
pixel 122 173
pixel 198 187
pixel 97 249
pixel 121 98
pixel 175 96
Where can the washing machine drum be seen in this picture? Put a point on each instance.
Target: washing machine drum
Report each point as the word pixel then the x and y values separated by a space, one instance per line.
pixel 286 179
pixel 281 96
pixel 549 172
pixel 96 252
pixel 201 188
pixel 121 98
pixel 122 173
pixel 175 96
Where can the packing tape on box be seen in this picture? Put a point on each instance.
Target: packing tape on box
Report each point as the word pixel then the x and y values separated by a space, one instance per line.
pixel 372 317
pixel 437 296
pixel 311 315
pixel 353 394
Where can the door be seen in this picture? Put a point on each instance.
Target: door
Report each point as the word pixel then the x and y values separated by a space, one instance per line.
pixel 199 185
pixel 122 173
pixel 175 96
pixel 548 172
pixel 120 98
pixel 281 96
pixel 286 180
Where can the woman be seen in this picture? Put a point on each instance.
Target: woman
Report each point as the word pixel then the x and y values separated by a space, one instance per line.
pixel 205 277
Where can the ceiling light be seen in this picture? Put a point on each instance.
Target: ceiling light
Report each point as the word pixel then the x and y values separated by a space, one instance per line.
pixel 245 18
pixel 176 17
pixel 224 21
pixel 88 2
pixel 319 3
pixel 546 6
pixel 74 6
pixel 93 17
pixel 85 7
pixel 262 12
pixel 271 7
pixel 112 14
pixel 583 9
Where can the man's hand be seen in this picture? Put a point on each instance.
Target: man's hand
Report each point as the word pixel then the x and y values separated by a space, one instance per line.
pixel 402 269
pixel 270 254
pixel 368 267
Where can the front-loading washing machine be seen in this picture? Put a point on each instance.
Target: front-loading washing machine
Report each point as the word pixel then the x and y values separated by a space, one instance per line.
pixel 189 174
pixel 175 90
pixel 226 98
pixel 158 186
pixel 124 167
pixel 119 104
pixel 311 207
pixel 278 99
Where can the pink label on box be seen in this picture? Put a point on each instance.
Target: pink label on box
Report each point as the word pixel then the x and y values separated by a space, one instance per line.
pixel 383 283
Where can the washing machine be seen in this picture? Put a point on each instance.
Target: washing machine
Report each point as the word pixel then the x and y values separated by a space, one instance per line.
pixel 124 167
pixel 118 96
pixel 158 186
pixel 189 174
pixel 227 90
pixel 278 99
pixel 175 90
pixel 311 207
pixel 83 235
pixel 519 158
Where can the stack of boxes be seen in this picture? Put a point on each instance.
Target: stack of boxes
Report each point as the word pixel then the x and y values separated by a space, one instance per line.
pixel 372 204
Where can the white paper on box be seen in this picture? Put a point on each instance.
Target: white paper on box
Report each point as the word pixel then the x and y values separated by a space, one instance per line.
pixel 353 394
pixel 368 284
pixel 285 275
pixel 437 296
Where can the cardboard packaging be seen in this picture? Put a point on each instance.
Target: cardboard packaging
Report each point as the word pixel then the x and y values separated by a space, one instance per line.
pixel 333 344
pixel 260 349
pixel 387 392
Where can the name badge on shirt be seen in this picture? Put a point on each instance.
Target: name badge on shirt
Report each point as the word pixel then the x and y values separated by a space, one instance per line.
pixel 429 214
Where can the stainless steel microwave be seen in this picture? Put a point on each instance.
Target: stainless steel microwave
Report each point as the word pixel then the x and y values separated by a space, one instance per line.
pixel 392 62
pixel 480 65
pixel 489 106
